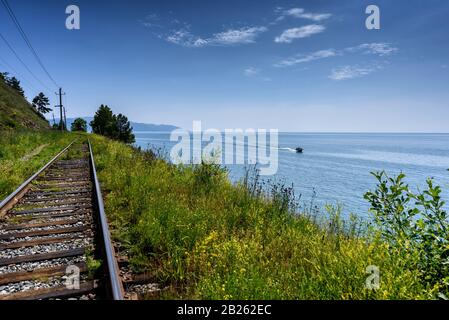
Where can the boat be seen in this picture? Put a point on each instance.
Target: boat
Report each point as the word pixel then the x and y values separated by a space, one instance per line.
pixel 299 150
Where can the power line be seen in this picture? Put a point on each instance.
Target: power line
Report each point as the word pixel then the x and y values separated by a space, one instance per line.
pixel 14 70
pixel 27 41
pixel 23 63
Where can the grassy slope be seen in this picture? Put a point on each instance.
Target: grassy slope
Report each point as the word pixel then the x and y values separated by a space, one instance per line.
pixel 17 113
pixel 23 153
pixel 206 238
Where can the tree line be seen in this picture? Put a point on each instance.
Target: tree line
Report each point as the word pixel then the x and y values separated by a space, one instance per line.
pixel 108 124
pixel 113 126
pixel 105 122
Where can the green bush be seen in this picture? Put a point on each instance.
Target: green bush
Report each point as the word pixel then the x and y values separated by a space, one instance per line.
pixel 415 224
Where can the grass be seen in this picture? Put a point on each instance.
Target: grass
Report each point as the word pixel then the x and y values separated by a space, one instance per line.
pixel 16 164
pixel 16 113
pixel 205 238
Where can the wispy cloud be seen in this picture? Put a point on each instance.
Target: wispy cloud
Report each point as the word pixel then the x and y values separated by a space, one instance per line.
pixel 351 72
pixel 322 54
pixel 151 21
pixel 378 49
pixel 252 72
pixel 301 13
pixel 243 35
pixel 229 37
pixel 297 33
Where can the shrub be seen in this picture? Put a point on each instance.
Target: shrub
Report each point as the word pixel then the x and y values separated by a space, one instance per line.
pixel 414 224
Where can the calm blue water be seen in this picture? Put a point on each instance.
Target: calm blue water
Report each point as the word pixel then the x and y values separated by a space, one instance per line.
pixel 336 167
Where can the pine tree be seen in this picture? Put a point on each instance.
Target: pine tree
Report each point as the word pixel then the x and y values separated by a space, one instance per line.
pixel 40 103
pixel 4 76
pixel 15 84
pixel 124 130
pixel 103 122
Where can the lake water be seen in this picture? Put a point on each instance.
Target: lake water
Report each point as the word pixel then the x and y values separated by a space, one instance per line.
pixel 336 167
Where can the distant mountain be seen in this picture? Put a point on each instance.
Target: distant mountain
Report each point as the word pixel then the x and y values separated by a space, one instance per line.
pixel 152 127
pixel 137 126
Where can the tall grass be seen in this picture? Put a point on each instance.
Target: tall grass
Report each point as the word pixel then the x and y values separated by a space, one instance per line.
pixel 206 238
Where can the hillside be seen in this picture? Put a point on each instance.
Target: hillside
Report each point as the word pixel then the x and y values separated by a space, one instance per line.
pixel 16 112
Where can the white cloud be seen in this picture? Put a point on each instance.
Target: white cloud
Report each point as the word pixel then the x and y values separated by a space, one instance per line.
pixel 379 49
pixel 376 48
pixel 244 35
pixel 301 13
pixel 297 33
pixel 181 37
pixel 251 71
pixel 351 72
pixel 151 20
pixel 322 54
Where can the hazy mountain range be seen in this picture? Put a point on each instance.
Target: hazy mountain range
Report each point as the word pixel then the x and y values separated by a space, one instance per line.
pixel 137 126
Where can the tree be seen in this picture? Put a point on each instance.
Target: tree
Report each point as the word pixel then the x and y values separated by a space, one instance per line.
pixel 40 103
pixel 79 125
pixel 124 130
pixel 4 76
pixel 113 126
pixel 15 84
pixel 103 122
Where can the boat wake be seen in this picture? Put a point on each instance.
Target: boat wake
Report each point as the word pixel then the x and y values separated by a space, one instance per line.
pixel 288 149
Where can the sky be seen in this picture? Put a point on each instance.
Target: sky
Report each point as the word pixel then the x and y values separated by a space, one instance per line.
pixel 303 66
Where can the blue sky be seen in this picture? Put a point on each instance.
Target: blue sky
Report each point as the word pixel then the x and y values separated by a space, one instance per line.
pixel 288 65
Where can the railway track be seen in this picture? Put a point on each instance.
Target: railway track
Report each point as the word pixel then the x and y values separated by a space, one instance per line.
pixel 54 237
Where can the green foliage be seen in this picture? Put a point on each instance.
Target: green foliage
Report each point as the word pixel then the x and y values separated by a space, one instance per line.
pixel 113 126
pixel 124 130
pixel 14 83
pixel 79 124
pixel 93 264
pixel 206 238
pixel 103 122
pixel 41 103
pixel 414 223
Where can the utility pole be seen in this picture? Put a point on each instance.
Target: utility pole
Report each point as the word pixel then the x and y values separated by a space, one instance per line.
pixel 65 120
pixel 61 119
pixel 53 119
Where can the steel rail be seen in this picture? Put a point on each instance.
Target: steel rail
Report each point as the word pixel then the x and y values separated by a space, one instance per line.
pixel 113 269
pixel 22 187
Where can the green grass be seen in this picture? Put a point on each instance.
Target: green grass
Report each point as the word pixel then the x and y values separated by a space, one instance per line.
pixel 16 113
pixel 205 238
pixel 16 164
